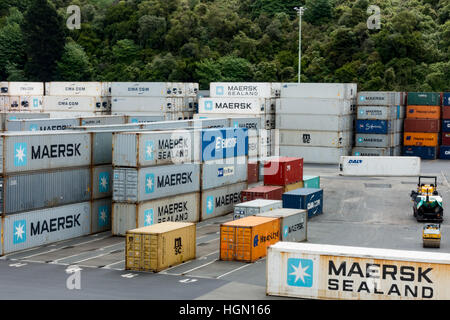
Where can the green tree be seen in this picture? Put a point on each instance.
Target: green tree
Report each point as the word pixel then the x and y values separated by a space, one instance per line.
pixel 317 11
pixel 74 64
pixel 12 46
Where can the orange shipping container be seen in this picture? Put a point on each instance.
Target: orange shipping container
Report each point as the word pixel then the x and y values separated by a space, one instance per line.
pixel 423 112
pixel 421 139
pixel 247 239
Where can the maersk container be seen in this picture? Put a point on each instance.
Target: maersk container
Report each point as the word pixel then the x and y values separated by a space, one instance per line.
pixel 377 152
pixel 381 98
pixel 425 153
pixel 39 227
pixel 309 199
pixel 28 151
pixel 254 207
pixel 180 208
pixel 316 138
pixel 210 123
pixel 137 185
pixel 21 88
pixel 241 106
pixel 101 182
pixel 267 121
pixel 315 106
pixel 74 89
pixel 143 118
pixel 379 126
pixel 314 122
pixel 146 104
pixel 321 155
pixel 242 89
pixel 293 223
pixel 230 171
pixel 41 189
pixel 380 112
pixel 30 103
pixel 319 90
pixel 378 140
pixel 102 120
pixel 379 166
pixel 50 124
pixel 220 201
pixel 424 99
pixel 75 103
pixel 19 115
pixel 101 215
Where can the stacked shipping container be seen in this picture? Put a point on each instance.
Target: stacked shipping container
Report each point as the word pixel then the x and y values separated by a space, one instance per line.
pixel 21 96
pixel 444 152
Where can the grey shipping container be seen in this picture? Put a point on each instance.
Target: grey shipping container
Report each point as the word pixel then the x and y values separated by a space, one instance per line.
pixel 41 189
pixel 251 208
pixel 220 201
pixel 20 115
pixel 316 138
pixel 101 182
pixel 147 104
pixel 380 112
pixel 381 98
pixel 315 106
pixel 143 118
pixel 315 122
pixel 231 171
pixel 102 120
pixel 34 228
pixel 323 155
pixel 51 124
pixel 319 90
pixel 29 151
pixel 375 152
pixel 137 185
pixel 101 215
pixel 378 140
pixel 180 208
pixel 293 224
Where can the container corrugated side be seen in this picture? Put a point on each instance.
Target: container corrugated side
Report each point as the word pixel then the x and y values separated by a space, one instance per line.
pixel 34 228
pixel 14 88
pixel 74 104
pixel 319 90
pixel 315 122
pixel 143 118
pixel 230 171
pixel 146 104
pixel 374 152
pixel 322 155
pixel 254 207
pixel 381 98
pixel 378 140
pixel 240 106
pixel 379 166
pixel 19 115
pixel 51 124
pixel 123 218
pixel 73 88
pixel 241 89
pixel 380 112
pixel 315 106
pixel 316 138
pixel 101 215
pixel 102 120
pixel 139 89
pixel 293 223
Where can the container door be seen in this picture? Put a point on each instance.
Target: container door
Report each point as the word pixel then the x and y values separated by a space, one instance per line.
pixel 133 251
pixel 243 243
pixel 227 236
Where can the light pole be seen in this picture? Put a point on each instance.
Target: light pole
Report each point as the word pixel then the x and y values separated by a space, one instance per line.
pixel 300 12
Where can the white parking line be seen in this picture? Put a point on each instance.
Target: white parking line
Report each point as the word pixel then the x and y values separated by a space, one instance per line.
pixel 108 266
pixel 199 267
pixel 241 267
pixel 80 253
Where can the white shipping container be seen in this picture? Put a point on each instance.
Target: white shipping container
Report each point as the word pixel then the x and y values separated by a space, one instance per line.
pixel 316 138
pixel 242 89
pixel 379 166
pixel 147 104
pixel 267 120
pixel 176 116
pixel 102 120
pixel 21 88
pixel 34 228
pixel 321 155
pixel 319 90
pixel 381 98
pixel 93 89
pixel 315 106
pixel 31 103
pixel 151 89
pixel 377 152
pixel 251 208
pixel 75 104
pixel 76 114
pixel 240 106
pixel 317 271
pixel 12 103
pixel 315 122
pixel 380 112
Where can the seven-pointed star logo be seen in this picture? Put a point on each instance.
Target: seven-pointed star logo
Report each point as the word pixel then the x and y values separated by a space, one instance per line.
pixel 20 154
pixel 19 229
pixel 149 183
pixel 103 216
pixel 300 272
pixel 148 217
pixel 209 205
pixel 103 180
pixel 149 150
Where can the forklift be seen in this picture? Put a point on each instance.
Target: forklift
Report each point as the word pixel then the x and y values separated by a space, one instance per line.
pixel 431 236
pixel 427 204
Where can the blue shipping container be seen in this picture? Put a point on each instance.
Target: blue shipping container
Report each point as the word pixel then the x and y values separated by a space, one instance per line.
pixel 224 143
pixel 309 199
pixel 446 101
pixel 446 125
pixel 445 153
pixel 373 126
pixel 426 153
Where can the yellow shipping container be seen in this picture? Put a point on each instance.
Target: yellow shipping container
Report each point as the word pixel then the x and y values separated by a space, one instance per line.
pixel 293 186
pixel 160 246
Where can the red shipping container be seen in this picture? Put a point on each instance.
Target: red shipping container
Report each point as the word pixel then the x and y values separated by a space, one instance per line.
pixel 264 192
pixel 283 171
pixel 445 139
pixel 252 172
pixel 422 125
pixel 446 112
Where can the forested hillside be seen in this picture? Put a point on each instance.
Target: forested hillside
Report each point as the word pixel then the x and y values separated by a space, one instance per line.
pixel 229 40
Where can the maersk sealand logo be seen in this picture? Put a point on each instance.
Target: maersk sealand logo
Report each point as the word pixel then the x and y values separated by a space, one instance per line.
pixel 219 91
pixel 149 183
pixel 20 154
pixel 148 217
pixel 209 205
pixel 300 272
pixel 103 182
pixel 19 231
pixel 103 216
pixel 208 105
pixel 34 127
pixel 149 150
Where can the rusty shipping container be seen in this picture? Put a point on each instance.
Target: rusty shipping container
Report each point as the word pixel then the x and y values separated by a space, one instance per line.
pixel 445 138
pixel 158 247
pixel 446 111
pixel 423 112
pixel 263 192
pixel 422 125
pixel 421 139
pixel 247 239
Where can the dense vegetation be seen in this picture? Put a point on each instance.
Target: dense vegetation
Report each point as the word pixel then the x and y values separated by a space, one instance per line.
pixel 229 40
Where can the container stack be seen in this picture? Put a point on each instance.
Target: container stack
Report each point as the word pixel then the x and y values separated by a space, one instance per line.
pixel 316 120
pixel 76 99
pixel 21 96
pixel 174 100
pixel 422 125
pixel 379 124
pixel 445 141
pixel 5 117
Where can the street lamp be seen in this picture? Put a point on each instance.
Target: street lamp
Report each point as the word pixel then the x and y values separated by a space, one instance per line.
pixel 300 12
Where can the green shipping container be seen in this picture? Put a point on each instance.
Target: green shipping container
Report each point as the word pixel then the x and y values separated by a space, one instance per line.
pixel 424 99
pixel 311 182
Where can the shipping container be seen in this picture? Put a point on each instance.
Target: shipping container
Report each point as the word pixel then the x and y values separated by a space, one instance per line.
pixel 11 103
pixel 377 152
pixel 379 126
pixel 263 192
pixel 445 138
pixel 446 125
pixel 74 89
pixel 144 89
pixel 30 103
pixel 424 99
pixel 251 208
pixel 322 155
pixel 50 124
pixel 243 90
pixel 100 215
pixel 143 118
pixel 147 104
pixel 319 90
pixel 220 201
pixel 446 100
pixel 315 106
pixel 238 106
pixel 311 182
pixel 251 124
pixel 317 271
pixel 314 122
pixel 293 223
pixel 381 98
pixel 423 112
pixel 420 139
pixel 75 104
pixel 446 112
pixel 27 151
pixel 101 181
pixel 283 171
pixel 309 199
pixel 378 140
pixel 40 189
pixel 4 116
pixel 102 120
pixel 21 88
pixel 425 153
pixel 179 208
pixel 136 185
pixel 247 239
pixel 422 125
pixel 158 247
pixel 266 121
pixel 444 152
pixel 176 116
pixel 316 138
pixel 293 186
pixel 40 227
pixel 380 112
pixel 77 114
pixel 230 171
pixel 252 171
pixel 379 166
